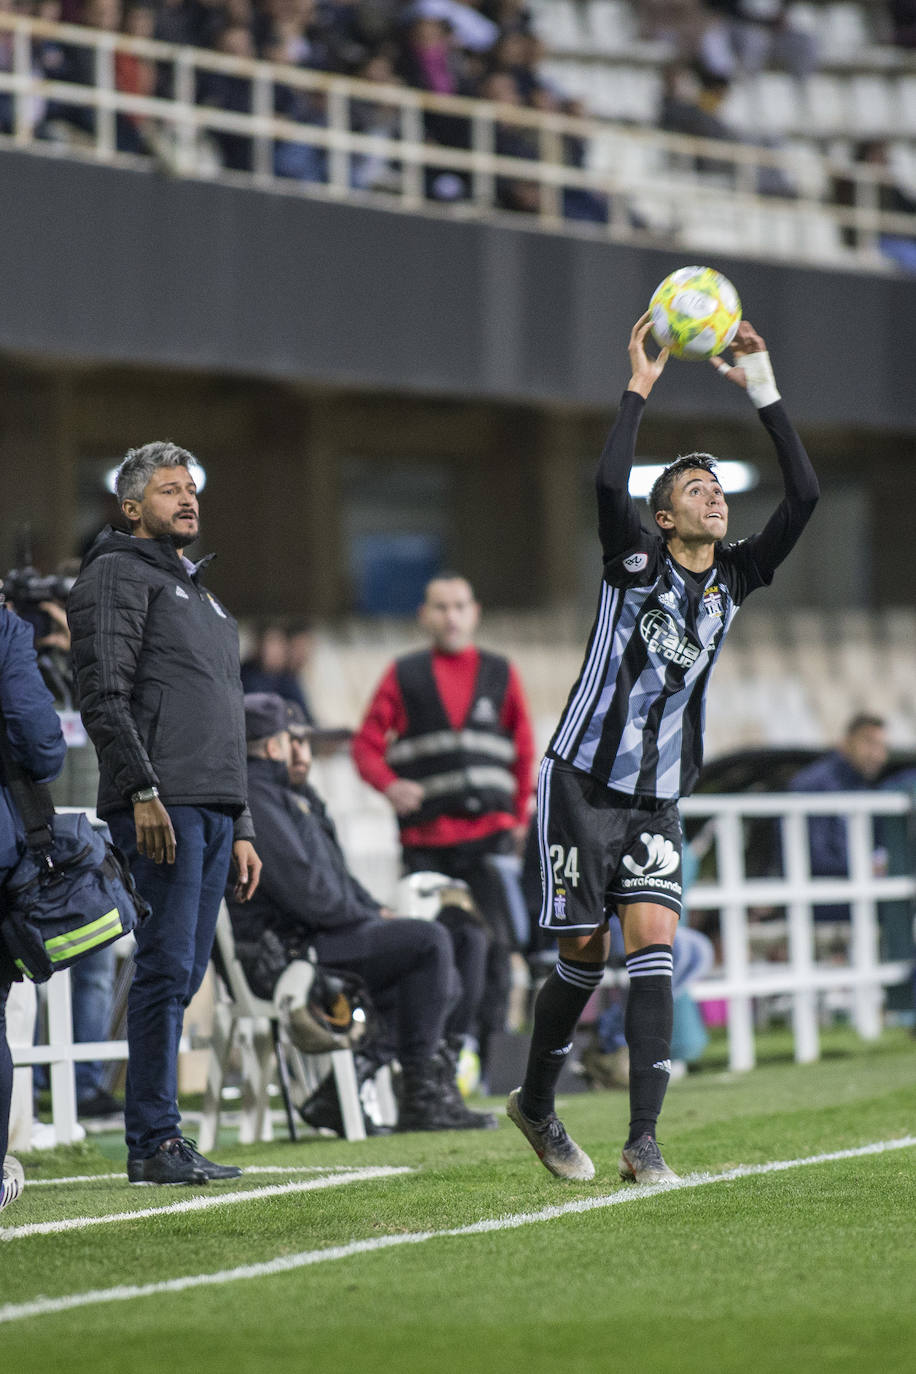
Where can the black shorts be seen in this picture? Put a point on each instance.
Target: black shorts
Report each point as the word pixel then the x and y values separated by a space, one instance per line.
pixel 598 853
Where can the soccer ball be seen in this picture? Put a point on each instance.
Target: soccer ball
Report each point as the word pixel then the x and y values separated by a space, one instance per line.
pixel 695 312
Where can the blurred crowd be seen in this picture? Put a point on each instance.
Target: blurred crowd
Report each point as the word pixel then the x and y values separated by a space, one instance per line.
pixel 491 49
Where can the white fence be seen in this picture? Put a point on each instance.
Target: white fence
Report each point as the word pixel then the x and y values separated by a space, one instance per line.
pixel 654 186
pixel 740 979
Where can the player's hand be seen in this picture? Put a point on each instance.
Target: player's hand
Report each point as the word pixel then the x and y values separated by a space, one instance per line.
pixel 746 340
pixel 247 868
pixel 155 836
pixel 645 371
pixel 405 795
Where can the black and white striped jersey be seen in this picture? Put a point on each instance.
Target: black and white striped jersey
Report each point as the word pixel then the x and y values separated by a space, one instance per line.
pixel 635 715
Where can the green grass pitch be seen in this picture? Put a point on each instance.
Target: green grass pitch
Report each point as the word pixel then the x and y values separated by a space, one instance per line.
pixel 807 1267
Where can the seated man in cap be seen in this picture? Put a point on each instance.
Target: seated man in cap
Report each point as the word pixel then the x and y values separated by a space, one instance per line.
pixel 311 901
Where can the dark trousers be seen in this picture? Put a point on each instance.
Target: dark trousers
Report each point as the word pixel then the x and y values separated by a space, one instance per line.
pixel 173 950
pixel 6 1074
pixel 408 968
pixel 468 862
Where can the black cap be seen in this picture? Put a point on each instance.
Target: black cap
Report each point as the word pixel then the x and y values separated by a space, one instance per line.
pixel 265 715
pixel 296 722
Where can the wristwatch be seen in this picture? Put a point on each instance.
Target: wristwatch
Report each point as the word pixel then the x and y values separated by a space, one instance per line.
pixel 145 794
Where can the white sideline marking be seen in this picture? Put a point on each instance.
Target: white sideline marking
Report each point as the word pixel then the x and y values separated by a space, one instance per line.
pixel 248 1169
pixel 285 1263
pixel 199 1203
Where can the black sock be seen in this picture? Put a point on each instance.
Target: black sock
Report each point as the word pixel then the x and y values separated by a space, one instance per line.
pixel 560 1003
pixel 647 1027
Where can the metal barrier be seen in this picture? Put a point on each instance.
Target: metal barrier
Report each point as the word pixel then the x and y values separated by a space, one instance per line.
pixel 735 897
pixel 658 192
pixel 739 980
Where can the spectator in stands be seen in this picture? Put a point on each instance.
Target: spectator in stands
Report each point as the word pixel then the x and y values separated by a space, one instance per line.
pixel 230 91
pixel 903 22
pixel 375 171
pixel 753 34
pixel 579 202
pixel 36 742
pixel 512 140
pixel 278 663
pixel 310 900
pixel 890 199
pixel 431 60
pixel 854 766
pixel 137 75
pixel 691 101
pixel 447 739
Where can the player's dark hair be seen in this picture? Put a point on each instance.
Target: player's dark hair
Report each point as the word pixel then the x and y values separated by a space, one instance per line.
pixel 660 495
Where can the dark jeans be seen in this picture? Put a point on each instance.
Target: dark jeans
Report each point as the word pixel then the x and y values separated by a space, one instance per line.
pixel 468 862
pixel 173 950
pixel 6 1074
pixel 408 968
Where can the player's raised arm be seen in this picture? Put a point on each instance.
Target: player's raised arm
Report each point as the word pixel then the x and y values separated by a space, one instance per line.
pixel 753 371
pixel 618 517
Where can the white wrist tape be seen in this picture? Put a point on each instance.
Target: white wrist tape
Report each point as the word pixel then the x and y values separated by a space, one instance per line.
pixel 758 372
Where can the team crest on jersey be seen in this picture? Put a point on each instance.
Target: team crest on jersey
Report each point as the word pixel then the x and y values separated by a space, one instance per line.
pixel 484 713
pixel 712 600
pixel 635 562
pixel 559 906
pixel 216 606
pixel 661 635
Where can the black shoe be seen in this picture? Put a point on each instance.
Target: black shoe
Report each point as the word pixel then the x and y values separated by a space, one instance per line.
pixel 177 1161
pixel 100 1104
pixel 430 1101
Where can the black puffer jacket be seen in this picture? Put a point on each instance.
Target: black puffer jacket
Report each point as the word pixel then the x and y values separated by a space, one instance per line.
pixel 157 667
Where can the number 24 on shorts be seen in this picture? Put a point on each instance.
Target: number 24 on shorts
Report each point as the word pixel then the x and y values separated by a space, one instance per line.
pixel 565 864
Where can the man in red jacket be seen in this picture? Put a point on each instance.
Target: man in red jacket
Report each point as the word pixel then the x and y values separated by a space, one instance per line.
pixel 447 739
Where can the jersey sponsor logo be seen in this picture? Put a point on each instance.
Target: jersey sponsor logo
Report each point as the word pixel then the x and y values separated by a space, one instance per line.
pixel 668 599
pixel 484 713
pixel 635 562
pixel 660 632
pixel 712 600
pixel 180 591
pixel 562 1052
pixel 661 859
pixel 216 606
pixel 663 1064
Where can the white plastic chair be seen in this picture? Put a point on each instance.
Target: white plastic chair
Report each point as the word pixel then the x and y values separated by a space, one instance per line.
pixel 254 1025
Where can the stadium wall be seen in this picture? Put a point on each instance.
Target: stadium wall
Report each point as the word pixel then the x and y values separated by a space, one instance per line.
pixel 115 265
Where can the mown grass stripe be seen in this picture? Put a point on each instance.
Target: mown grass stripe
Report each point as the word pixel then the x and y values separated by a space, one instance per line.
pixel 286 1263
pixel 198 1203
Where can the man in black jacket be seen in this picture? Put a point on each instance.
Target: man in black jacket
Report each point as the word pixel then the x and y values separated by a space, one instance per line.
pixel 157 666
pixel 310 900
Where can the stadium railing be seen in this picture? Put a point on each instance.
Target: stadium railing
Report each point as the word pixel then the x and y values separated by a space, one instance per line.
pixel 650 178
pixel 737 898
pixel 740 979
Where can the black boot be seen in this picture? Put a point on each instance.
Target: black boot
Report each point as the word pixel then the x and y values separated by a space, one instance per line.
pixel 322 1109
pixel 430 1100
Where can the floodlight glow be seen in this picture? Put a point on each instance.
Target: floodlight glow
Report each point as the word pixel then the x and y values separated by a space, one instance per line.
pixel 734 477
pixel 195 469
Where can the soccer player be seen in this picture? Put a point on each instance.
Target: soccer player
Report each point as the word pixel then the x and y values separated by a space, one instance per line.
pixel 629 743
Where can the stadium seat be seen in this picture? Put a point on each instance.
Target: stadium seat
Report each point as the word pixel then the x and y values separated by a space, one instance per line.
pixel 825 106
pixel 873 107
pixel 253 1026
pixel 611 26
pixel 843 31
pixel 559 23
